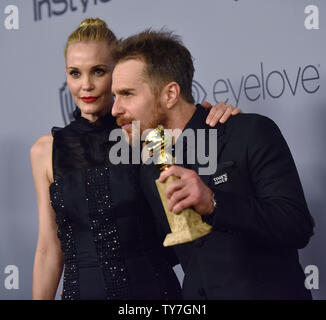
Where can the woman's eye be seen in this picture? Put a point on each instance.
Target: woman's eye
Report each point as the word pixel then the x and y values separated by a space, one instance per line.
pixel 99 72
pixel 74 74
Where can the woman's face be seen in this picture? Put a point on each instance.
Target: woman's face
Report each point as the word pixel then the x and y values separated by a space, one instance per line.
pixel 89 76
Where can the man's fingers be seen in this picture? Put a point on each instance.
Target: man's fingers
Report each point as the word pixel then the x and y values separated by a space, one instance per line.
pixel 173 186
pixel 173 170
pixel 165 174
pixel 177 197
pixel 181 205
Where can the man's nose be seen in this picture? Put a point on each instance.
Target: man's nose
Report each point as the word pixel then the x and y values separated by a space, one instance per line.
pixel 117 107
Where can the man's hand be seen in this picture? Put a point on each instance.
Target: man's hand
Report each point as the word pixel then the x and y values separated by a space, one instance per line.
pixel 220 112
pixel 188 191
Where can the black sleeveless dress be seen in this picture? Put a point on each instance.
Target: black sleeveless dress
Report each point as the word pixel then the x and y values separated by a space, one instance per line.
pixel 108 237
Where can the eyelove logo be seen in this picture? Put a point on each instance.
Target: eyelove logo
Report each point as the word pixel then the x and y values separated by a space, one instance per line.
pixel 60 7
pixel 270 83
pixel 198 92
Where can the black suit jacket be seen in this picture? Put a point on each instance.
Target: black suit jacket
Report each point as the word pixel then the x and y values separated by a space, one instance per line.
pixel 260 221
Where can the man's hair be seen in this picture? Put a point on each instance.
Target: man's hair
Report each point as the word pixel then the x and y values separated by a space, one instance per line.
pixel 165 56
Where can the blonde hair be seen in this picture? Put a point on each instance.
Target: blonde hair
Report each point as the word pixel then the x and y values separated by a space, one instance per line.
pixel 91 29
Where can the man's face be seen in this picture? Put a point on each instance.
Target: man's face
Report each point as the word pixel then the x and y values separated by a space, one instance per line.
pixel 134 98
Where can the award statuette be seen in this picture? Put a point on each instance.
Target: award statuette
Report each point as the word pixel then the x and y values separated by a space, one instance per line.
pixel 187 225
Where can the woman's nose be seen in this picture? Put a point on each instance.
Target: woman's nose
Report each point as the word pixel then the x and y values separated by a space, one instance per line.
pixel 87 83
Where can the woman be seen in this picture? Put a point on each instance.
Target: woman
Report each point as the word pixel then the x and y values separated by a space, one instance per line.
pixel 93 220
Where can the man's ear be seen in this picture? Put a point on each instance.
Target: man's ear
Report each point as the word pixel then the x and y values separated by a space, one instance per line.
pixel 171 94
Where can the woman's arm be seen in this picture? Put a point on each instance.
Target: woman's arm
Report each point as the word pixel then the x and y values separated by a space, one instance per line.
pixel 48 261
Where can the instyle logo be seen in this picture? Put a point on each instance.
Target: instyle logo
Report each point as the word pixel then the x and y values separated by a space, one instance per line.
pixel 265 84
pixel 51 8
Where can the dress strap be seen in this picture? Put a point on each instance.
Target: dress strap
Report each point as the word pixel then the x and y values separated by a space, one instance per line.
pixel 54 132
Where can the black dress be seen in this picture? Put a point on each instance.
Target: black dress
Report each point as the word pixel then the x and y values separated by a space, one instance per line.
pixel 108 237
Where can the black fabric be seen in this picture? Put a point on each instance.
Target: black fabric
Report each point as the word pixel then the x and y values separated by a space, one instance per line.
pixel 107 232
pixel 260 221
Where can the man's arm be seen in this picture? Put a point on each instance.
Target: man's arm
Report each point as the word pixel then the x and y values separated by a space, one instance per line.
pixel 276 214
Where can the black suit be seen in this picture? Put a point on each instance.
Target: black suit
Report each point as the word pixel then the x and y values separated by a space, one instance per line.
pixel 260 221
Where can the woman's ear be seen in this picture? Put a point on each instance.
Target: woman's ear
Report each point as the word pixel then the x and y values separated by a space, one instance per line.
pixel 171 94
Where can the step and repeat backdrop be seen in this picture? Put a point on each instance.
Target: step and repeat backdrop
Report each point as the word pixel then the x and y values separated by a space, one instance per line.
pixel 265 56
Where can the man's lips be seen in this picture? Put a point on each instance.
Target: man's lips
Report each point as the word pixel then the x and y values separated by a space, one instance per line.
pixel 124 124
pixel 89 99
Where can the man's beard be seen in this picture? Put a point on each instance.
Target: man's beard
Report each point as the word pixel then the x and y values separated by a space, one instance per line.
pixel 157 117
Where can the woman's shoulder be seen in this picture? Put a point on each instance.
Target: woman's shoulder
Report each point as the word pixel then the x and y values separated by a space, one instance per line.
pixel 42 147
pixel 43 143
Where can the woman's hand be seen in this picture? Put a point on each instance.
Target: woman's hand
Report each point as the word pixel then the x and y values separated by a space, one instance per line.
pixel 221 112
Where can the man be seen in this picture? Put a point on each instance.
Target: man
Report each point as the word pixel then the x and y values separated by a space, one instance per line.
pixel 253 199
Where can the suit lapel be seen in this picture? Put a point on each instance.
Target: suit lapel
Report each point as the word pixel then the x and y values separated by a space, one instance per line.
pixel 199 123
pixel 220 145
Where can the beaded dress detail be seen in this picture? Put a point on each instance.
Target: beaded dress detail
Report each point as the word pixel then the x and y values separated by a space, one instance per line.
pixel 108 236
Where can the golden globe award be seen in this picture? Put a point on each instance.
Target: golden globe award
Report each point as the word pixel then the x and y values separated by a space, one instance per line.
pixel 187 225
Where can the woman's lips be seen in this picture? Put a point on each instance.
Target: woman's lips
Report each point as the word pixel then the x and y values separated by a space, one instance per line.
pixel 89 99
